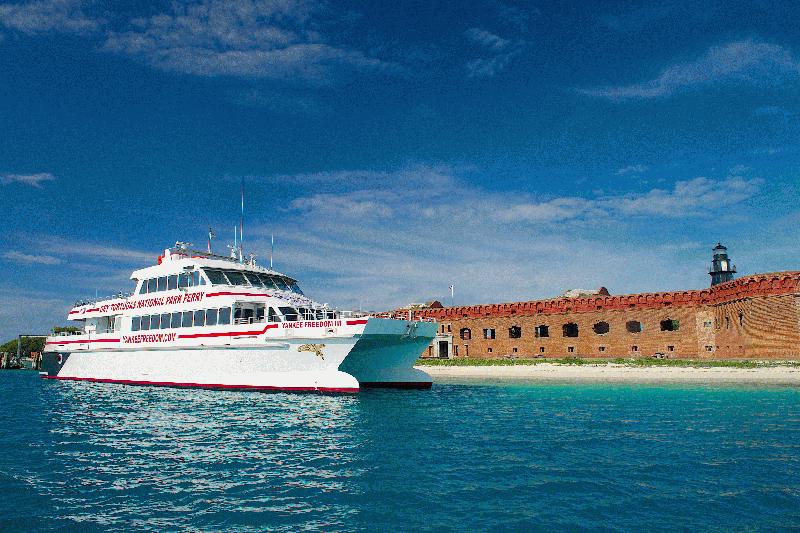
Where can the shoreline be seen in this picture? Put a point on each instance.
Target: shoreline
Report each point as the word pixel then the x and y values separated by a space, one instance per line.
pixel 616 373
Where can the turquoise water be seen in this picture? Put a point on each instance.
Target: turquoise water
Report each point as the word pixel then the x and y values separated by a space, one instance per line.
pixel 82 456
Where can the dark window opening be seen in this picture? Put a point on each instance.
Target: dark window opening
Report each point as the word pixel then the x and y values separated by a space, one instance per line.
pixel 513 350
pixel 466 334
pixel 670 325
pixel 514 332
pixel 542 331
pixel 570 329
pixel 601 328
pixel 601 348
pixel 488 333
pixel 670 348
pixel 633 326
pixel 488 350
pixel 741 319
pixel 541 349
pixel 571 349
pixel 727 322
pixel 634 348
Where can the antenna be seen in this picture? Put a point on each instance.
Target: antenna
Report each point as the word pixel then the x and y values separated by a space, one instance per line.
pixel 272 249
pixel 241 227
pixel 211 236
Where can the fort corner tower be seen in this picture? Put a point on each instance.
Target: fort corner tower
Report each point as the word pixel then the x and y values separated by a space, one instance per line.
pixel 721 268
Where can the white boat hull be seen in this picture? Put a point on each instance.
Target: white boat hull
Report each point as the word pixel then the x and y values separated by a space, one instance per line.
pixel 381 353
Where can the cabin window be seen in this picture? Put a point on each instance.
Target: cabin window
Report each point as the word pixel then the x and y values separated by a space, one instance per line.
pixel 280 283
pixel 211 317
pixel 144 324
pixel 196 278
pixel 186 320
pixel 165 321
pixel 216 277
pixel 175 322
pixel 273 316
pixel 570 329
pixel 155 321
pixel 143 287
pixel 135 323
pixel 488 333
pixel 295 288
pixel 253 279
pixel 670 325
pixel 260 310
pixel 601 328
pixel 172 282
pixel 541 331
pixel 152 285
pixel 514 332
pixel 289 313
pixel 236 278
pixel 466 334
pixel 633 326
pixel 199 318
pixel 267 281
pixel 183 280
pixel 224 316
pixel 162 283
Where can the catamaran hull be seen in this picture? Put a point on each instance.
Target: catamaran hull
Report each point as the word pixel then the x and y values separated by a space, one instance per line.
pixel 381 355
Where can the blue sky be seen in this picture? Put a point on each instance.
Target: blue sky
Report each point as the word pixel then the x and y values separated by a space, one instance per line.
pixel 513 149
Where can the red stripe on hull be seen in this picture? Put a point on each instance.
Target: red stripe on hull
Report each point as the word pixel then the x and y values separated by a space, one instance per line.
pixel 212 294
pixel 395 384
pixel 356 322
pixel 213 386
pixel 227 333
pixel 86 341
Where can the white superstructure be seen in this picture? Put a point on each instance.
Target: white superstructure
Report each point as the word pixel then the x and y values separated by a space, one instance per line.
pixel 202 320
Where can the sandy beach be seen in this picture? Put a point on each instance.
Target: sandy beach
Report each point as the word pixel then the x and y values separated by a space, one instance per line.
pixel 613 373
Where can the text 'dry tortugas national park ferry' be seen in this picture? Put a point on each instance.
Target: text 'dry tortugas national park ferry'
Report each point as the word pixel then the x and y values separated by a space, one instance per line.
pixel 198 319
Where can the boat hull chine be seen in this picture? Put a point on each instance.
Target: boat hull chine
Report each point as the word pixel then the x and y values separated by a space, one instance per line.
pixel 385 354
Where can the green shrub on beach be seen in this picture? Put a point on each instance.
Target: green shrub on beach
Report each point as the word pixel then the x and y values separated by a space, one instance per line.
pixel 635 362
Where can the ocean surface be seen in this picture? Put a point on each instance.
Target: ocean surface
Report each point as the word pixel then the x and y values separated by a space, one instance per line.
pixel 465 457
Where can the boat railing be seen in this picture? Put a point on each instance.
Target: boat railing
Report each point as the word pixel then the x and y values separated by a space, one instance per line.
pixel 92 301
pixel 69 333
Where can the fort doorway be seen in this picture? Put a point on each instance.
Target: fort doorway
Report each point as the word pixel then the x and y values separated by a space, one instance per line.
pixel 444 353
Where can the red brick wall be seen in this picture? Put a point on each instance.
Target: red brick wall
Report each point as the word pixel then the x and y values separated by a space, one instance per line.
pixel 754 316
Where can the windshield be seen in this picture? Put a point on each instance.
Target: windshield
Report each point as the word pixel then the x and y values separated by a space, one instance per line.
pixel 237 278
pixel 295 289
pixel 216 277
pixel 252 277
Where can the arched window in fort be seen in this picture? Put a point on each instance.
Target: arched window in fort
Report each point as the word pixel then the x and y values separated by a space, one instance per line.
pixel 570 329
pixel 741 319
pixel 601 328
pixel 514 332
pixel 542 331
pixel 670 325
pixel 633 326
pixel 466 334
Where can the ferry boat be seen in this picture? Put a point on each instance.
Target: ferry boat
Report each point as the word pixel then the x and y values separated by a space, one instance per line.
pixel 201 320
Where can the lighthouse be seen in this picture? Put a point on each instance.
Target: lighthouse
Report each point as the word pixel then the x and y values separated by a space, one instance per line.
pixel 721 268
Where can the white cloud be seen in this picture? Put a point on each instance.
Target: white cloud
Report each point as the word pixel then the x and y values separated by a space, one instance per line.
pixel 688 198
pixel 24 312
pixel 632 169
pixel 486 39
pixel 245 38
pixel 500 52
pixel 66 16
pixel 42 259
pixel 384 238
pixel 757 63
pixel 34 180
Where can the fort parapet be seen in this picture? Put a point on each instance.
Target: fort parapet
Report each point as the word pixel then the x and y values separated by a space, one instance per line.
pixel 755 316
